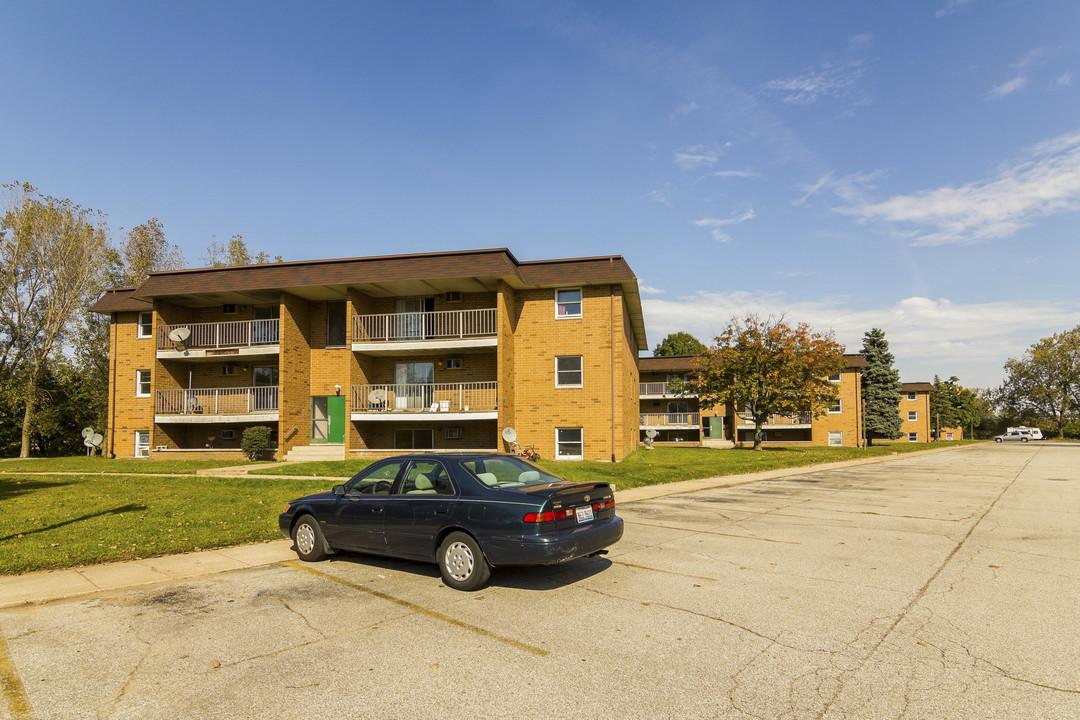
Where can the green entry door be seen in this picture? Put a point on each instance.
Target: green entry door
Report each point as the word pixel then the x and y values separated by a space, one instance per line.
pixel 328 419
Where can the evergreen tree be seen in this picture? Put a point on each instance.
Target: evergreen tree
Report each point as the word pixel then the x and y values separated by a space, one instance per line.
pixel 881 388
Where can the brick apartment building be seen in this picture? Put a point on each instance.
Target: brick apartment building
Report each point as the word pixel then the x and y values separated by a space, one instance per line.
pixel 915 411
pixel 371 356
pixel 680 419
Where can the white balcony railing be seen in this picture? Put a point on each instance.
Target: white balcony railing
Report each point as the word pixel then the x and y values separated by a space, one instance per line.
pixel 217 401
pixel 800 418
pixel 659 388
pixel 237 333
pixel 426 397
pixel 444 324
pixel 670 419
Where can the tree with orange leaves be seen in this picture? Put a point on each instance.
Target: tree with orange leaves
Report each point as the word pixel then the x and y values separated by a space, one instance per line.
pixel 767 367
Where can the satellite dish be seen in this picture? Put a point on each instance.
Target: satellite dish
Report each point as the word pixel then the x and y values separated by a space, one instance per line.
pixel 650 433
pixel 87 432
pixel 180 334
pixel 377 396
pixel 96 439
pixel 509 434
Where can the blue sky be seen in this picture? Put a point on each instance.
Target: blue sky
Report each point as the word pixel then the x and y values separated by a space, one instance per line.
pixel 913 166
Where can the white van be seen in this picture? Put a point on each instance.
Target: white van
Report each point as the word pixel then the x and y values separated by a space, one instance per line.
pixel 1033 433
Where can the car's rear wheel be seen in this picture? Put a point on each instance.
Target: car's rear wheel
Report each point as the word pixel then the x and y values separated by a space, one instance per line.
pixel 1023 439
pixel 462 563
pixel 308 538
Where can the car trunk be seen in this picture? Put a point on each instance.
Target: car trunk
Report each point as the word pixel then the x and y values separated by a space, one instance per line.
pixel 575 504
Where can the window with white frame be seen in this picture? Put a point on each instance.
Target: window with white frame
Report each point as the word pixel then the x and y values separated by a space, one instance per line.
pixel 142 443
pixel 454 363
pixel 146 324
pixel 834 378
pixel 569 444
pixel 911 397
pixel 568 371
pixel 836 438
pixel 836 407
pixel 913 415
pixel 567 303
pixel 142 383
pixel 454 433
pixel 913 437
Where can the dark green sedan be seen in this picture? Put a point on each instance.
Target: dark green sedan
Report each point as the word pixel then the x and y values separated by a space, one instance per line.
pixel 468 513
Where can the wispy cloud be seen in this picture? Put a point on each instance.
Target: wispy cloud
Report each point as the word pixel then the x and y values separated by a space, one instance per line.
pixel 684 109
pixel 951 6
pixel 714 224
pixel 649 290
pixel 1046 181
pixel 970 340
pixel 835 78
pixel 1008 87
pixel 736 174
pixel 1064 81
pixel 699 156
pixel 797 273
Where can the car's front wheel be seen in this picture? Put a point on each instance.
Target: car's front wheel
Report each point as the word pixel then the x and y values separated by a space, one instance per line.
pixel 1024 439
pixel 997 439
pixel 308 538
pixel 462 563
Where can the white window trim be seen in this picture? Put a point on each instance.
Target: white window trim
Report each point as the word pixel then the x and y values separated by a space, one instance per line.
pixel 582 371
pixel 838 411
pixel 581 302
pixel 139 325
pixel 913 437
pixel 839 377
pixel 912 415
pixel 912 397
pixel 139 445
pixel 138 383
pixel 839 434
pixel 570 457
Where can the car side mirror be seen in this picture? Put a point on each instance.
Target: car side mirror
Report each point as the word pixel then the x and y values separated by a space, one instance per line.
pixel 339 489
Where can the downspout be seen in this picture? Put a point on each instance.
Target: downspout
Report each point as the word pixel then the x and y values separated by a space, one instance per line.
pixel 611 314
pixel 112 388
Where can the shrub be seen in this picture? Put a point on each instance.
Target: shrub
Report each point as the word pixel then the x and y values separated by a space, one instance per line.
pixel 255 441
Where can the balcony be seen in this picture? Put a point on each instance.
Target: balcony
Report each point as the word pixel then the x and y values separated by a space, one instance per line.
pixel 793 420
pixel 670 420
pixel 430 401
pixel 217 405
pixel 221 339
pixel 419 332
pixel 658 390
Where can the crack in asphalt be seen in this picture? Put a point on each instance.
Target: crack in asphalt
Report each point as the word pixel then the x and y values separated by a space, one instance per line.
pixel 102 712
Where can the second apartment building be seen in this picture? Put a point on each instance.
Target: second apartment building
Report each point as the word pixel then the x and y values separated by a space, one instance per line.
pixel 368 356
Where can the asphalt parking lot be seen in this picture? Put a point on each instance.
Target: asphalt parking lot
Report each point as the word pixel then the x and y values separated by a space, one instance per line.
pixel 942 585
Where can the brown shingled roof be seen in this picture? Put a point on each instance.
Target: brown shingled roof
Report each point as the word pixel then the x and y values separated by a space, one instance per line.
pixel 916 386
pixel 118 300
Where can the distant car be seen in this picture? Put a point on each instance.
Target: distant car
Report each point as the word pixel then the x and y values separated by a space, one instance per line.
pixel 468 513
pixel 1021 435
pixel 1033 433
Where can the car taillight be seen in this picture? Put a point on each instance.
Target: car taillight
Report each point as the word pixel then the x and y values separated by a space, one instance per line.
pixel 604 504
pixel 549 516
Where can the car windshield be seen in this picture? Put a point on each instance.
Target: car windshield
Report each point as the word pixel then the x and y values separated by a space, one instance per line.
pixel 508 472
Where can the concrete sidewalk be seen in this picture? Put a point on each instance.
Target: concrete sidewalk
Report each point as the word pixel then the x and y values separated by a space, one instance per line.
pixel 47 585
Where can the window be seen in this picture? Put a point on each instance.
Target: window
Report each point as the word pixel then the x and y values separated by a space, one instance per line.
pixel 142 443
pixel 454 433
pixel 335 323
pixel 913 437
pixel 229 309
pixel 569 444
pixel 836 438
pixel 146 324
pixel 142 383
pixel 228 434
pixel 426 477
pixel 672 377
pixel 454 296
pixel 414 439
pixel 911 396
pixel 834 378
pixel 567 303
pixel 568 371
pixel 836 407
pixel 454 363
pixel 913 415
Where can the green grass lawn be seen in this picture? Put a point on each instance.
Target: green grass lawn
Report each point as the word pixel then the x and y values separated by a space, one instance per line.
pixel 322 468
pixel 51 521
pixel 55 521
pixel 98 464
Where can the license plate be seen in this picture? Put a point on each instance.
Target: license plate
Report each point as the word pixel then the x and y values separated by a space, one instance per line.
pixel 584 513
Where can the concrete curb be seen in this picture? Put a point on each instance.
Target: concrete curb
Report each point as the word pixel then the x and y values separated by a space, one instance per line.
pixel 49 585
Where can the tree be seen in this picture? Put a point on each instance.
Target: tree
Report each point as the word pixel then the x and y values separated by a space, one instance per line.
pixel 881 388
pixel 145 251
pixel 679 343
pixel 1044 384
pixel 50 259
pixel 944 404
pixel 767 367
pixel 235 253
